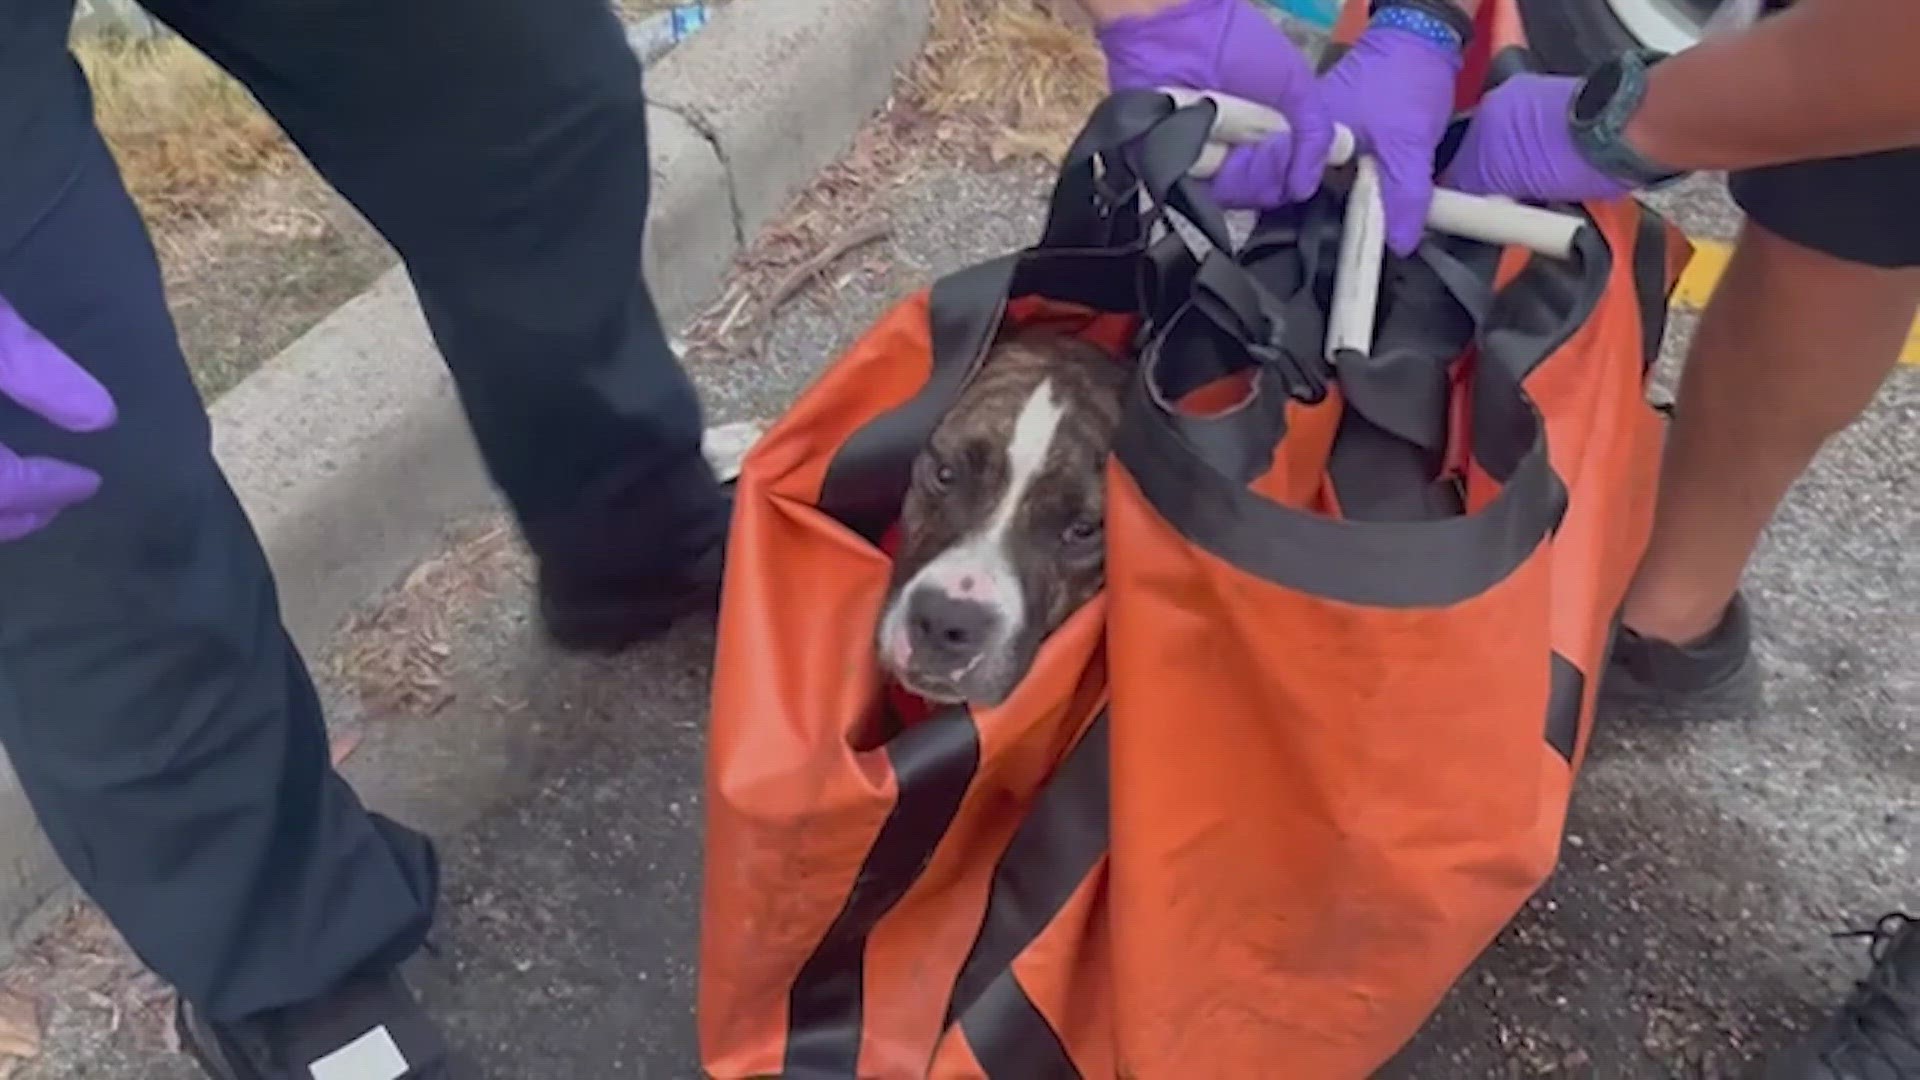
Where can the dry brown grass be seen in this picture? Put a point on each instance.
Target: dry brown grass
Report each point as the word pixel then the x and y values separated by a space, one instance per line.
pixel 396 653
pixel 826 225
pixel 187 136
pixel 1002 79
pixel 1010 74
pixel 1014 74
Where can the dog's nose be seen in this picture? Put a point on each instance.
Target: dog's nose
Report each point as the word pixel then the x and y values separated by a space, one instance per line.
pixel 944 626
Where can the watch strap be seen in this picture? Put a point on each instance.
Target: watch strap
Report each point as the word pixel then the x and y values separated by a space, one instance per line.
pixel 1432 19
pixel 1601 136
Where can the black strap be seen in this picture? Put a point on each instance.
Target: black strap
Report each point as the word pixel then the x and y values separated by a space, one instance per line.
pixel 1378 476
pixel 1091 204
pixel 1432 307
pixel 1265 311
pixel 868 476
pixel 1650 283
pixel 1168 279
pixel 1200 347
pixel 1203 494
pixel 934 764
pixel 1057 848
pixel 1164 161
pixel 1093 252
pixel 1195 470
pixel 1389 456
pixel 1137 142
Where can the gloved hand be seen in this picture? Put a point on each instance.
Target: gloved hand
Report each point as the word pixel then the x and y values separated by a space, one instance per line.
pixel 1518 144
pixel 1231 47
pixel 1394 90
pixel 36 375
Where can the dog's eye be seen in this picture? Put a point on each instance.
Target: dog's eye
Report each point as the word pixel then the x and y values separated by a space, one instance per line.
pixel 933 473
pixel 1082 531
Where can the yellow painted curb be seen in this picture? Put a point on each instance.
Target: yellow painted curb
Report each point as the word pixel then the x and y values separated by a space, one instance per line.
pixel 1710 261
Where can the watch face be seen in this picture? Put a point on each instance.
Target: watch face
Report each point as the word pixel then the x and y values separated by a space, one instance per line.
pixel 1596 91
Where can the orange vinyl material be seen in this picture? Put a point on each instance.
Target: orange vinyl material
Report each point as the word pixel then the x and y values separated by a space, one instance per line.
pixel 1322 811
pixel 799 790
pixel 1259 804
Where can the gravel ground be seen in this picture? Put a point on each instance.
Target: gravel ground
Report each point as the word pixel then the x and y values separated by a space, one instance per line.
pixel 1685 935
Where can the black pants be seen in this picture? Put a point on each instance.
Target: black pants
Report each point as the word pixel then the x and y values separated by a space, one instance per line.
pixel 1852 208
pixel 157 714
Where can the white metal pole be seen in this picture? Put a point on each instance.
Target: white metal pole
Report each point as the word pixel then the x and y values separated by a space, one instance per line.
pixel 1356 282
pixel 1453 213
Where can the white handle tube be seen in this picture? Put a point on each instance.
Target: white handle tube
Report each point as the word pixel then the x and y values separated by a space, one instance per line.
pixel 1356 280
pixel 1452 213
pixel 1503 222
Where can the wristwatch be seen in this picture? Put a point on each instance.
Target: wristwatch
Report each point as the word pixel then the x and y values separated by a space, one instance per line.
pixel 1606 99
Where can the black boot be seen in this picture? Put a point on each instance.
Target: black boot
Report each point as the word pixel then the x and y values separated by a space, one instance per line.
pixel 1876 1034
pixel 633 558
pixel 583 612
pixel 371 1029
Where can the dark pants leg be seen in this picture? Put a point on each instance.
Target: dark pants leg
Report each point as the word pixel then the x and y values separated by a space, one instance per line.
pixel 501 146
pixel 159 719
pixel 157 715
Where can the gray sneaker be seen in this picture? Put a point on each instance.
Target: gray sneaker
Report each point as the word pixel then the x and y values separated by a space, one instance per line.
pixel 1875 1035
pixel 1713 679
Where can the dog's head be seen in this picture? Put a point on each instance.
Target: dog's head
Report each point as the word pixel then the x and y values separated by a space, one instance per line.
pixel 1003 529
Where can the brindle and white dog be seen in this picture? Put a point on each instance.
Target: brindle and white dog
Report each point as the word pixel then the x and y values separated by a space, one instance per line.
pixel 1003 528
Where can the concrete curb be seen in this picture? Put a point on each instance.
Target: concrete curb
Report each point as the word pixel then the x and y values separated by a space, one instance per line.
pixel 349 449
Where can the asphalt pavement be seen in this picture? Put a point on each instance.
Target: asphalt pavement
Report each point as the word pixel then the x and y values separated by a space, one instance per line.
pixel 1686 935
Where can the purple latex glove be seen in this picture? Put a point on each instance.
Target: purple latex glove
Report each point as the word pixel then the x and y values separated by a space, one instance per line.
pixel 1519 145
pixel 36 375
pixel 1231 47
pixel 1394 90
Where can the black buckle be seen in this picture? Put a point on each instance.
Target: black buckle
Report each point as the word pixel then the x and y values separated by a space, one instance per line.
pixel 1241 306
pixel 1306 382
pixel 1107 199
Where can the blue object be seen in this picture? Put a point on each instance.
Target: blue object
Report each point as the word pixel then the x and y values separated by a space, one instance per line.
pixel 1320 13
pixel 1415 21
pixel 656 34
pixel 687 18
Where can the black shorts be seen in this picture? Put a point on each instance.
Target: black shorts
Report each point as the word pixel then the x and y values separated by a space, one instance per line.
pixel 1860 209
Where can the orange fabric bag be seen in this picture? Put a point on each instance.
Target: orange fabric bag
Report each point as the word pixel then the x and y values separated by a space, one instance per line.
pixel 888 888
pixel 1355 633
pixel 1354 650
pixel 1259 804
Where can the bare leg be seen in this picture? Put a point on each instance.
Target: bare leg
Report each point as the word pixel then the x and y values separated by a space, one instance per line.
pixel 1791 350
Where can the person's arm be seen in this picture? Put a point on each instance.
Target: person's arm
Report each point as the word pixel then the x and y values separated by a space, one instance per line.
pixel 1825 78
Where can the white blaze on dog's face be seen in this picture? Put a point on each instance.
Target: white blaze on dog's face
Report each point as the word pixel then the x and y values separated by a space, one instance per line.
pixel 1002 529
